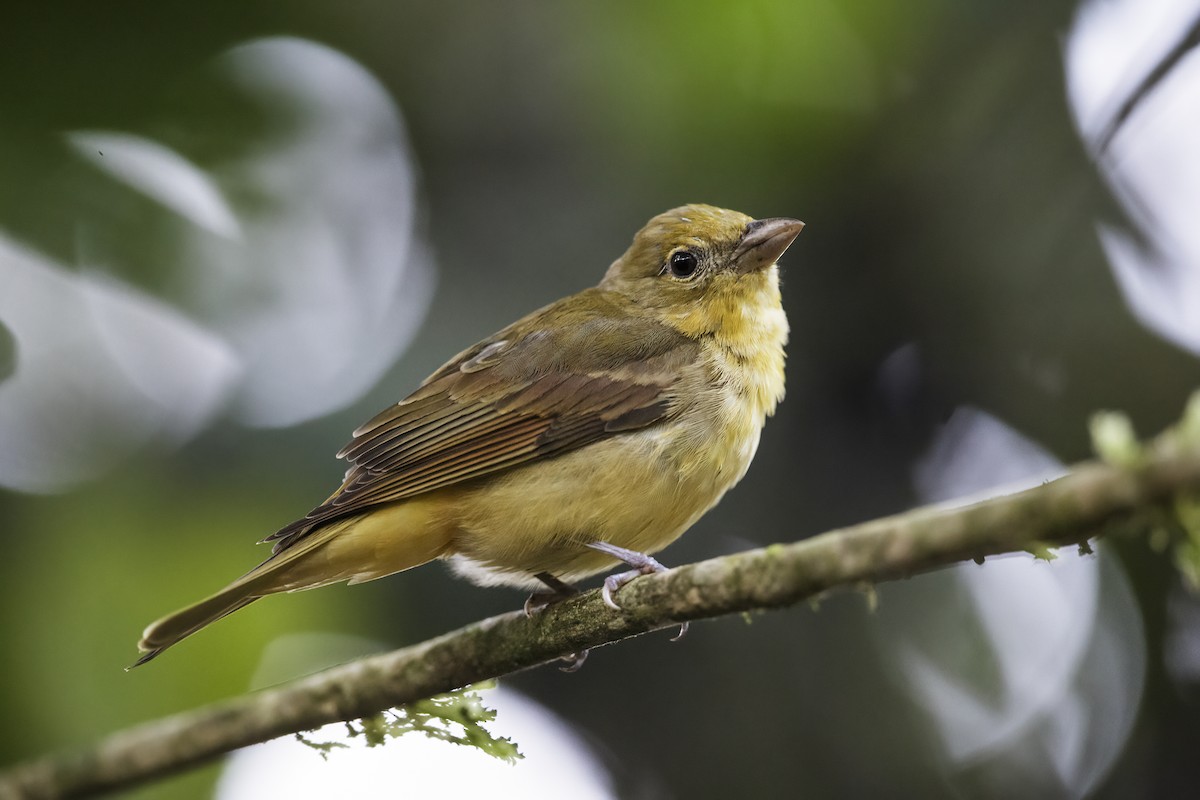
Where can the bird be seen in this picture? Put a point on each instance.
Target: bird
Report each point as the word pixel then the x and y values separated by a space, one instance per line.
pixel 589 434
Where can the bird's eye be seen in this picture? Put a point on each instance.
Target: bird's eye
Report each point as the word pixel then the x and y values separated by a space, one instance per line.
pixel 683 264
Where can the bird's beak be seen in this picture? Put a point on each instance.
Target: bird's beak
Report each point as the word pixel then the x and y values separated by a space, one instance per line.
pixel 764 242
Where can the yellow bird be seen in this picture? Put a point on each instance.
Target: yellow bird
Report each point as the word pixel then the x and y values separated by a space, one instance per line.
pixel 592 432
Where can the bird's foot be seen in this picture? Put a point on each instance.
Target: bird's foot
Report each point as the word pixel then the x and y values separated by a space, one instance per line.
pixel 642 565
pixel 538 602
pixel 574 661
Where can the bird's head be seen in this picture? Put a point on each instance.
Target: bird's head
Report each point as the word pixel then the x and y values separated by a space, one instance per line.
pixel 703 268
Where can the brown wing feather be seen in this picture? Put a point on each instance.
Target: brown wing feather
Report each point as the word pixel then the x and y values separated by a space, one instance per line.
pixel 508 400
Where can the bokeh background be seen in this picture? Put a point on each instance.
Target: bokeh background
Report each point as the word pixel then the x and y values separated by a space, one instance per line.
pixel 228 234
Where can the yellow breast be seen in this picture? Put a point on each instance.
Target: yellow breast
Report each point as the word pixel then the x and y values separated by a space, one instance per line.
pixel 643 489
pixel 745 354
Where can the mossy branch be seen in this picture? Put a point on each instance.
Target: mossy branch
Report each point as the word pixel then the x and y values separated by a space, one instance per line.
pixel 1141 492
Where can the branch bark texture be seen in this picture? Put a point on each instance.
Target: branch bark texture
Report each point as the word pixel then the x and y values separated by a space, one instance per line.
pixel 1093 499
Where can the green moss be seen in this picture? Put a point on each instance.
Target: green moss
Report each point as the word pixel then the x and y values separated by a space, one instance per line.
pixel 1041 551
pixel 457 717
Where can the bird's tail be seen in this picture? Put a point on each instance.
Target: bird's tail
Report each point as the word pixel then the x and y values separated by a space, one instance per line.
pixel 354 549
pixel 183 623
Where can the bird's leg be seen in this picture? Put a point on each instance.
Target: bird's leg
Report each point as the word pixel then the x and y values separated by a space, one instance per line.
pixel 642 565
pixel 540 601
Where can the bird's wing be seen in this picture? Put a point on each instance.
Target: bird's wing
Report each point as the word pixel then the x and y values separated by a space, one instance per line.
pixel 567 376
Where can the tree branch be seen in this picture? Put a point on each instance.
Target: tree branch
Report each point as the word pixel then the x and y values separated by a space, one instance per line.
pixel 1088 502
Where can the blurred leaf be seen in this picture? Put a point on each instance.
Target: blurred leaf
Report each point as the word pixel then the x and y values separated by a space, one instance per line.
pixel 1187 550
pixel 1114 440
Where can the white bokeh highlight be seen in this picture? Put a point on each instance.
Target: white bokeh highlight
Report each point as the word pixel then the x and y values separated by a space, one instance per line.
pixel 1019 662
pixel 101 370
pixel 295 275
pixel 330 246
pixel 161 174
pixel 1151 164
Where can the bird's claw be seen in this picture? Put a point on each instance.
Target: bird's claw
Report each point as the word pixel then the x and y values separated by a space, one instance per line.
pixel 576 661
pixel 537 602
pixel 642 565
pixel 614 582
